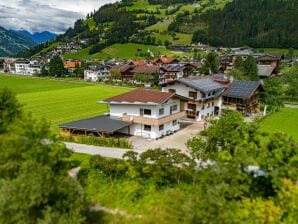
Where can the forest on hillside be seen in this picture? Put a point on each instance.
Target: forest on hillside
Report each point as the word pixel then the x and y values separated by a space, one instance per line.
pixel 256 23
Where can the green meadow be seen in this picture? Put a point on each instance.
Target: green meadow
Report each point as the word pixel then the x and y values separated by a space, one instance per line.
pixel 60 101
pixel 286 120
pixel 125 51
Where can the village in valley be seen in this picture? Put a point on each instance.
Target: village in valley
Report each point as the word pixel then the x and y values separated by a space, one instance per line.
pixel 149 111
pixel 169 93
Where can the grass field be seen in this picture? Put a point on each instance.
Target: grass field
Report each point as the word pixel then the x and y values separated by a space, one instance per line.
pixel 59 101
pixel 278 50
pixel 125 51
pixel 285 120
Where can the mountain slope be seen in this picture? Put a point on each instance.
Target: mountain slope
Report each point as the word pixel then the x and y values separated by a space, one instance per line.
pixel 39 37
pixel 257 23
pixel 12 43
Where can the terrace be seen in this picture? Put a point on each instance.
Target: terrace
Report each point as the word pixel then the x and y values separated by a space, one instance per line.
pixel 153 121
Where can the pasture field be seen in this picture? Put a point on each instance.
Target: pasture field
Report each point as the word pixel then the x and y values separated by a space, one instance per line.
pixel 285 120
pixel 125 51
pixel 59 101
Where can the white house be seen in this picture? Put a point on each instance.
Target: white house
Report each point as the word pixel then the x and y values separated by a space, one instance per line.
pixel 26 67
pixel 151 114
pixel 96 72
pixel 204 95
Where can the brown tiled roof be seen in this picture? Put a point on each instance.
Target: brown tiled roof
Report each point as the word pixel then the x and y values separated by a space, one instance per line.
pixel 122 68
pixel 138 62
pixel 145 69
pixel 165 60
pixel 142 96
pixel 72 64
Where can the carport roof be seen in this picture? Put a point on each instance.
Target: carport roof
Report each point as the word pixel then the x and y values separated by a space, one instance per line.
pixel 102 124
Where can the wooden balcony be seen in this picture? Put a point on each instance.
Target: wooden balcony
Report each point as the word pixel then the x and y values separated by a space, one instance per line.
pixel 153 121
pixel 191 114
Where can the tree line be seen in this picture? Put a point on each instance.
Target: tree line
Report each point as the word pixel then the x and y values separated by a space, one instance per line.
pixel 255 23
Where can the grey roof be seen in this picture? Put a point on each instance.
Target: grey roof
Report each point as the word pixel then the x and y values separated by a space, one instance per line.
pixel 97 124
pixel 241 89
pixel 265 70
pixel 204 85
pixel 220 76
pixel 98 67
pixel 172 67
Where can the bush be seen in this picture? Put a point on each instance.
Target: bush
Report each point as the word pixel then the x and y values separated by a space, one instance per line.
pixel 98 141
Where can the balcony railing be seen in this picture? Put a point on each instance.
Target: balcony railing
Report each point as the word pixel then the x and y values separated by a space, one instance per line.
pixel 153 121
pixel 191 114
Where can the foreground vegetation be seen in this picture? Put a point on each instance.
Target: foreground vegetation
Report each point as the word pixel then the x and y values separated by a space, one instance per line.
pixel 249 181
pixel 230 176
pixel 59 101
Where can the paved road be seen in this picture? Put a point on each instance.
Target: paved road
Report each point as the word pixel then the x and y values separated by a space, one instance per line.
pixel 291 106
pixel 116 153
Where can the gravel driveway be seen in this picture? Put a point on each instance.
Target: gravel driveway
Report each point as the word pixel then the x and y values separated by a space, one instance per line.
pixel 140 145
pixel 177 140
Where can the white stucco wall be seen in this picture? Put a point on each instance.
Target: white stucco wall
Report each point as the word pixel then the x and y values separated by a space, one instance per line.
pixel 138 130
pixel 181 90
pixel 118 110
pixel 184 91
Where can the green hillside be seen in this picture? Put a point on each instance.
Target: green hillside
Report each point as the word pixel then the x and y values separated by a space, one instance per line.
pixel 128 29
pixel 12 42
pixel 156 24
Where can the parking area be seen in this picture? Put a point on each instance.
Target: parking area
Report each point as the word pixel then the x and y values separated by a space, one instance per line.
pixel 177 140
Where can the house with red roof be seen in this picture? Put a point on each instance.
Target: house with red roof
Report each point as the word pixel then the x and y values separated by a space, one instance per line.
pixel 151 114
pixel 140 112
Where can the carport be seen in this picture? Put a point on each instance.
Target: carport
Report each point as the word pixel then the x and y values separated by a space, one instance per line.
pixel 100 125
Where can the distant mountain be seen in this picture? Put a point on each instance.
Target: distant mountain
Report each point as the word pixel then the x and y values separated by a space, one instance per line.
pixel 39 38
pixel 12 42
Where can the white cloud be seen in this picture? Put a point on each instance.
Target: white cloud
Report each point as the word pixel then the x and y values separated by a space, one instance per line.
pixel 51 15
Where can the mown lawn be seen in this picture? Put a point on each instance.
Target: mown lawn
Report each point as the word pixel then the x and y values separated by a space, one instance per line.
pixel 59 101
pixel 285 120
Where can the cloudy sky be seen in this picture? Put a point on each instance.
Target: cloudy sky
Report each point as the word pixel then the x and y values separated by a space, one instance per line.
pixel 45 15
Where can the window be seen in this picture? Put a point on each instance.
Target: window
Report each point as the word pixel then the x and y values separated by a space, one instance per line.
pixel 203 107
pixel 161 111
pixel 175 122
pixel 213 93
pixel 208 105
pixel 161 127
pixel 147 127
pixel 202 117
pixel 172 91
pixel 147 112
pixel 209 94
pixel 198 113
pixel 213 104
pixel 174 107
pixel 203 95
pixel 192 95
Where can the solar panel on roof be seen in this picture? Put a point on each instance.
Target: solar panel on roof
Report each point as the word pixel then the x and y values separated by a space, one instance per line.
pixel 241 89
pixel 204 84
